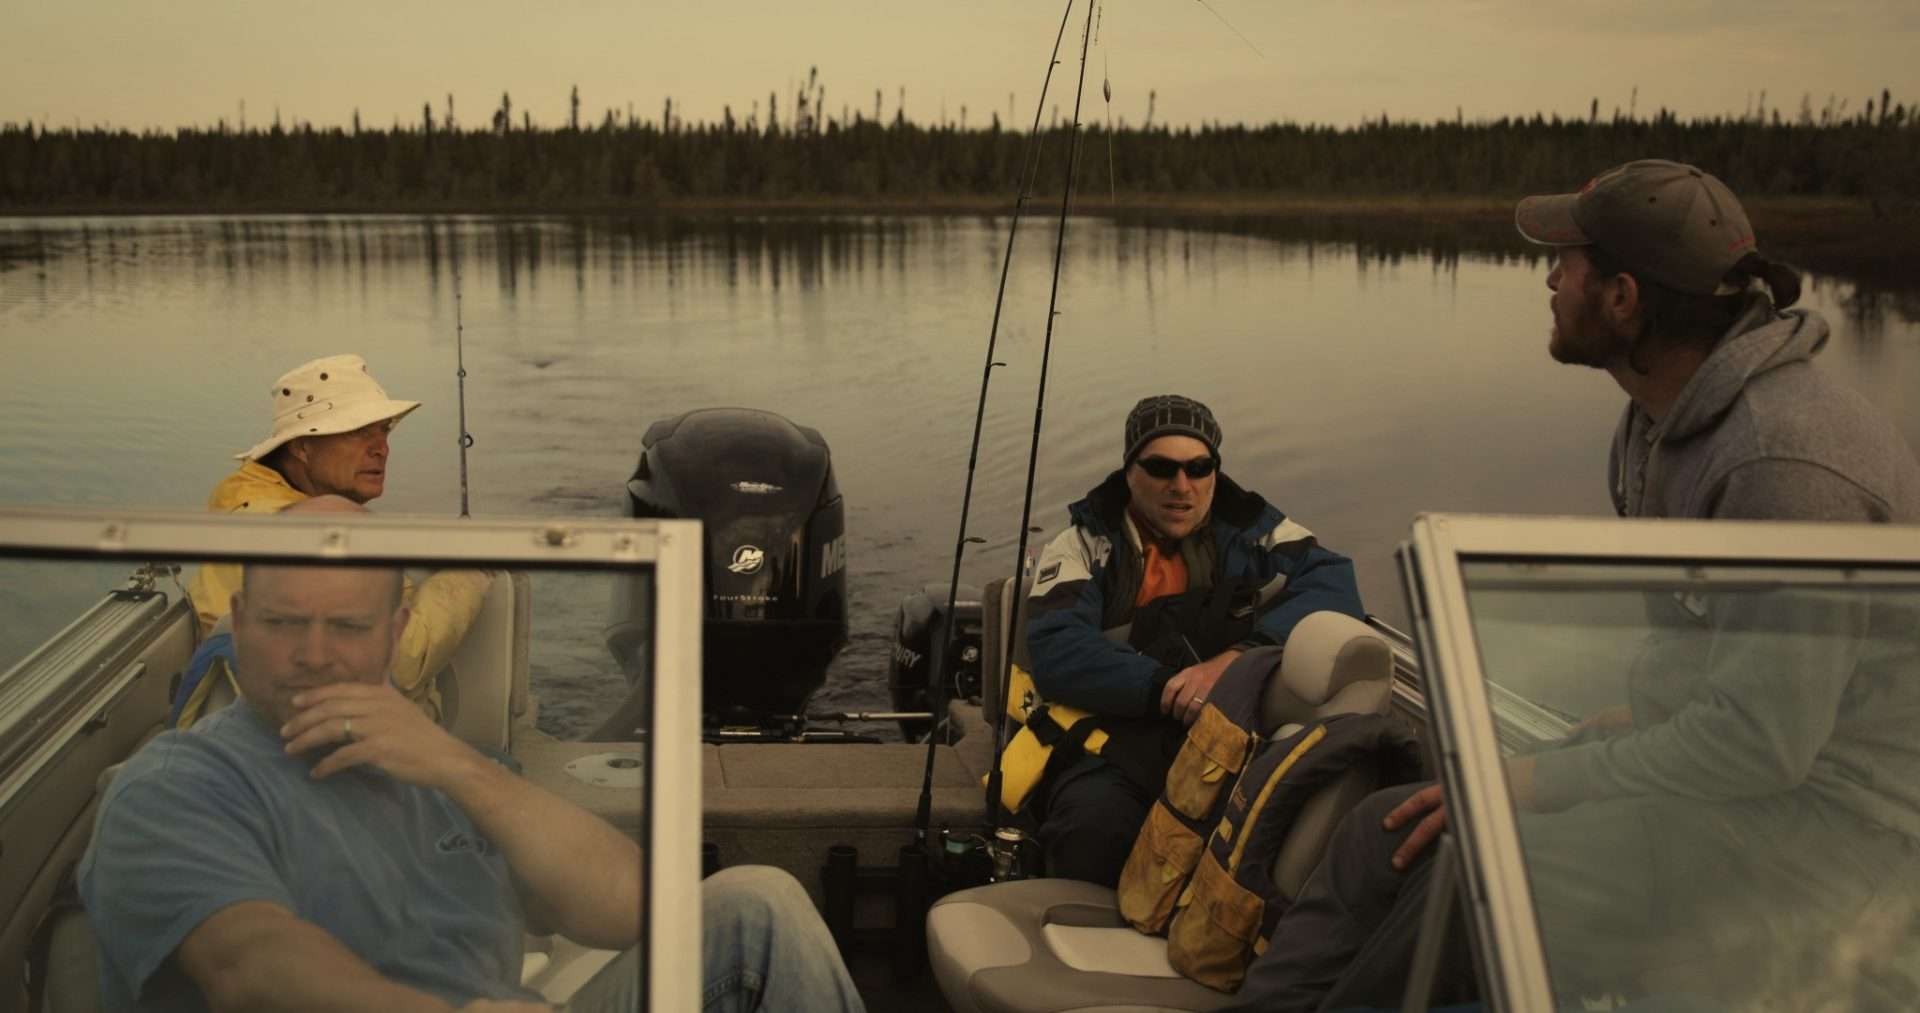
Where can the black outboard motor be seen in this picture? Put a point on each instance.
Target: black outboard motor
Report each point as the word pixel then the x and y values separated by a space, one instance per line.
pixel 776 553
pixel 931 648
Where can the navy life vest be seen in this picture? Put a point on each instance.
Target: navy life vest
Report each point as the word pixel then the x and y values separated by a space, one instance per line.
pixel 1227 912
pixel 1217 747
pixel 1201 868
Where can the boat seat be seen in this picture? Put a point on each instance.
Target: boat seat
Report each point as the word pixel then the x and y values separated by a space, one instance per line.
pixel 1050 945
pixel 484 686
pixel 1001 610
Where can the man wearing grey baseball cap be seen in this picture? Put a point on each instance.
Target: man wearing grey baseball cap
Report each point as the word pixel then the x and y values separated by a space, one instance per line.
pixel 1746 766
pixel 1656 280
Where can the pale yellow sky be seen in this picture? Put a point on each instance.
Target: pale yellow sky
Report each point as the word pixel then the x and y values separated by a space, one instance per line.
pixel 140 63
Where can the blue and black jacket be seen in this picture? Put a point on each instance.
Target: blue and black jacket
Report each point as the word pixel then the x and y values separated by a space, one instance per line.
pixel 1089 575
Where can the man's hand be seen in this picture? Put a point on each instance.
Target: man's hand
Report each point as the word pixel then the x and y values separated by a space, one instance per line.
pixel 376 725
pixel 1428 801
pixel 1429 806
pixel 1520 781
pixel 1186 693
pixel 1611 721
pixel 576 871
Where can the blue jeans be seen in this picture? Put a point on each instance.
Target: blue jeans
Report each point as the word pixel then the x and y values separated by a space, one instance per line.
pixel 764 948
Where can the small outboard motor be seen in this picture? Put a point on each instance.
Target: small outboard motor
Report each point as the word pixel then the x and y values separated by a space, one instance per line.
pixel 931 648
pixel 776 553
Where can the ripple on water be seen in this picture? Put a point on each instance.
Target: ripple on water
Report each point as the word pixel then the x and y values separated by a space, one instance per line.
pixel 1352 393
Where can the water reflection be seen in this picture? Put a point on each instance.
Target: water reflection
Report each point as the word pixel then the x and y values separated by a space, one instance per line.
pixel 1360 375
pixel 1863 291
pixel 802 252
pixel 1873 312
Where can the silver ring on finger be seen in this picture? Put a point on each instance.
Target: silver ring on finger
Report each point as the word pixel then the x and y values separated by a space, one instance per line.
pixel 346 729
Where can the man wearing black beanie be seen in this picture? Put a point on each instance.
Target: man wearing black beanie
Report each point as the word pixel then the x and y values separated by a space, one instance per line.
pixel 1104 636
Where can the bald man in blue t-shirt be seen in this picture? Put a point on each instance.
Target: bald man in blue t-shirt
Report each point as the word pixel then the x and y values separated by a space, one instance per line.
pixel 325 845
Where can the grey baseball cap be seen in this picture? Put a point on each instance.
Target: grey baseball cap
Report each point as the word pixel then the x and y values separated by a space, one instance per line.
pixel 1672 222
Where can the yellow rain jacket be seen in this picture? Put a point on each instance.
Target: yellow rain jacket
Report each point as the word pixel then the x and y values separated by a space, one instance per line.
pixel 443 605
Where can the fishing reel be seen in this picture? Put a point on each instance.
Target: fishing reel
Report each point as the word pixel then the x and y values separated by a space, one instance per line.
pixel 960 862
pixel 929 868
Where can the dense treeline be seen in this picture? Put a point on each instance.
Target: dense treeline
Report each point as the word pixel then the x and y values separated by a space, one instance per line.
pixel 639 164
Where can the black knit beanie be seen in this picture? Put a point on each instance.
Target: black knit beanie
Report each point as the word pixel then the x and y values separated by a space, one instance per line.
pixel 1170 415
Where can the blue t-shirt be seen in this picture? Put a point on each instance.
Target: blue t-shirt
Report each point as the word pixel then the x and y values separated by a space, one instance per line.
pixel 203 819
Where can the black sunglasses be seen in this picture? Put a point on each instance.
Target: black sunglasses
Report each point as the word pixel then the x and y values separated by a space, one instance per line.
pixel 1164 468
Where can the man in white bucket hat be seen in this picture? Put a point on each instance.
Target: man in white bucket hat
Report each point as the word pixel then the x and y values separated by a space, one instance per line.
pixel 330 425
pixel 329 438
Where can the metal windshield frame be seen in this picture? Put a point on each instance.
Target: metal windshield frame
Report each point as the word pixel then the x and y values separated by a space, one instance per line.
pixel 672 548
pixel 1461 704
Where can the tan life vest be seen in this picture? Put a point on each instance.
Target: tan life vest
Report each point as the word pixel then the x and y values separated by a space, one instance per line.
pixel 1217 747
pixel 1228 910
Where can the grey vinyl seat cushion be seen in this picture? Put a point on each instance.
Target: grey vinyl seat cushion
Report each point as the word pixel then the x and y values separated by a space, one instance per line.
pixel 72 983
pixel 1054 945
pixel 1002 632
pixel 73 976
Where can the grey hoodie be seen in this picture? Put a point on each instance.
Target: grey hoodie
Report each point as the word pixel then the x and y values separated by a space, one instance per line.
pixel 1759 433
pixel 1724 707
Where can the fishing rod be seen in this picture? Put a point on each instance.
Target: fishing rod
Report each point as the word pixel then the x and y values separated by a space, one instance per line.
pixel 460 373
pixel 923 815
pixel 1039 408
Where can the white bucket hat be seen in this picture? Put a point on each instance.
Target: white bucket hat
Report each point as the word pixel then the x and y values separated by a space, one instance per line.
pixel 325 397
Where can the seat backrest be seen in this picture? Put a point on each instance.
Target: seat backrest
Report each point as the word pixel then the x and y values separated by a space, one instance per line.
pixel 1313 828
pixel 73 977
pixel 483 687
pixel 72 971
pixel 1332 665
pixel 1003 623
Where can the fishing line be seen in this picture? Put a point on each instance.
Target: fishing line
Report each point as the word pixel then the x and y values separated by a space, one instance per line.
pixel 1106 91
pixel 1040 401
pixel 1236 31
pixel 460 373
pixel 1030 154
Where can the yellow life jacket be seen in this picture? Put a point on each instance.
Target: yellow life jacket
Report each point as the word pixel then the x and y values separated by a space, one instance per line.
pixel 1043 726
pixel 1200 621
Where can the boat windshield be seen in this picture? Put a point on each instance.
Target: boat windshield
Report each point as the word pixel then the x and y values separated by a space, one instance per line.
pixel 38 599
pixel 1717 800
pixel 582 656
pixel 286 644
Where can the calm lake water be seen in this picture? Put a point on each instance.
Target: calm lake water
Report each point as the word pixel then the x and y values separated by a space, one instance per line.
pixel 1355 388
